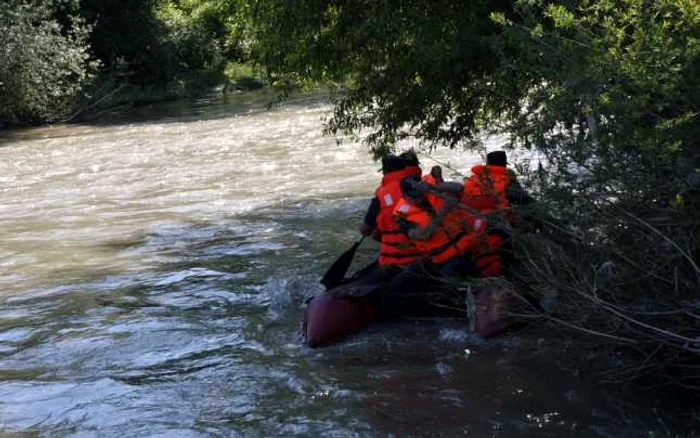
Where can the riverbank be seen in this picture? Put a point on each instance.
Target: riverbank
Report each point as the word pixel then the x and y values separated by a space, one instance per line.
pixel 115 94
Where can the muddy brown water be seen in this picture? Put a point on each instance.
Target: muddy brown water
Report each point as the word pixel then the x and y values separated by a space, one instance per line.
pixel 153 272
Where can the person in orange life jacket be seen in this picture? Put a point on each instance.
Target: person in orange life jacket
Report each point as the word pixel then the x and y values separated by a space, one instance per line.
pixel 492 189
pixel 496 180
pixel 432 215
pixel 396 248
pixel 410 291
pixel 396 251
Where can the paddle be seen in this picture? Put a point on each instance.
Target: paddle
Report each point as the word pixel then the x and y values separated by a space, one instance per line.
pixel 339 268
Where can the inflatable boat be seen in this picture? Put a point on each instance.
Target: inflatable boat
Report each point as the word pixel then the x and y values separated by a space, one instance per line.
pixel 355 303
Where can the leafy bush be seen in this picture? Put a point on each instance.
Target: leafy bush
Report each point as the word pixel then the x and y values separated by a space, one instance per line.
pixel 44 66
pixel 613 107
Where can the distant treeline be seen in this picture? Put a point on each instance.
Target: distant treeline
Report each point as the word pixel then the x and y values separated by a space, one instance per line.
pixel 60 55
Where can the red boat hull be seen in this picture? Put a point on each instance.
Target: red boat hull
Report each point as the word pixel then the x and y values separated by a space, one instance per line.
pixel 490 316
pixel 327 319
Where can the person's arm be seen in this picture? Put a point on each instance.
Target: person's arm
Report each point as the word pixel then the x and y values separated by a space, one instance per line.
pixel 450 196
pixel 515 192
pixel 368 228
pixel 450 187
pixel 405 226
pixel 437 219
pixel 425 233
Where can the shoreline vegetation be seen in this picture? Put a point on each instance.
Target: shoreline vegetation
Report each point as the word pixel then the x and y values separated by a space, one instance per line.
pixel 112 97
pixel 65 59
pixel 605 92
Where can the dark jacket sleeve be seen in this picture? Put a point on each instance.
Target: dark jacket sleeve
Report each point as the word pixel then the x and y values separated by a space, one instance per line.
pixel 516 194
pixel 372 213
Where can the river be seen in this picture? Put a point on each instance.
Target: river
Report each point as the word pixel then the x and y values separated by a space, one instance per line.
pixel 154 268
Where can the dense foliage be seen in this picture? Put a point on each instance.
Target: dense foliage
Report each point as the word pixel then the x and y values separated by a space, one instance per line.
pixel 614 111
pixel 128 39
pixel 60 56
pixel 203 33
pixel 406 68
pixel 43 65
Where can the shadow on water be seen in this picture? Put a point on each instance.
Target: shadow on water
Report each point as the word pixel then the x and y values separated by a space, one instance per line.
pixel 451 383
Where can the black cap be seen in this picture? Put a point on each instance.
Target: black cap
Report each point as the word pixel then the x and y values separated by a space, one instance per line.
pixel 496 158
pixel 392 163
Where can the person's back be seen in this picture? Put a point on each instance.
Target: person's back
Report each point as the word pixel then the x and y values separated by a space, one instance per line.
pixel 396 249
pixel 491 181
pixel 493 189
pixel 436 222
pixel 495 179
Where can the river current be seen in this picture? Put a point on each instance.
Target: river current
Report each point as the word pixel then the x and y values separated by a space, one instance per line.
pixel 153 273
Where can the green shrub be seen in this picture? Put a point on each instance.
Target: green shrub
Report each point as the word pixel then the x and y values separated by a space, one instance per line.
pixel 611 101
pixel 44 66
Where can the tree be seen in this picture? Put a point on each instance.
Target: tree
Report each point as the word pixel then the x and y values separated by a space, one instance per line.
pixel 402 68
pixel 202 32
pixel 44 66
pixel 154 43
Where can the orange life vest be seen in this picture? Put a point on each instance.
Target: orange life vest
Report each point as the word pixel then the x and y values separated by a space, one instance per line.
pixel 457 234
pixel 488 261
pixel 485 190
pixel 488 183
pixel 396 248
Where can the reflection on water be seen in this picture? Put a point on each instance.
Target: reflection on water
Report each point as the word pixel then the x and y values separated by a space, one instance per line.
pixel 153 278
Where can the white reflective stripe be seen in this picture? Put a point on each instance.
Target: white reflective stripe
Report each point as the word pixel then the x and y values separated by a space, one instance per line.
pixel 403 208
pixel 477 224
pixel 388 200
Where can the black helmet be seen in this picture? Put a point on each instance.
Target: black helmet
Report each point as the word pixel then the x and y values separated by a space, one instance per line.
pixel 496 158
pixel 392 163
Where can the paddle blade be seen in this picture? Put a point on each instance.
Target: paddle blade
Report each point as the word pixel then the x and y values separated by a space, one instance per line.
pixel 339 268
